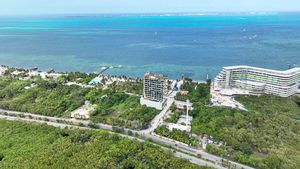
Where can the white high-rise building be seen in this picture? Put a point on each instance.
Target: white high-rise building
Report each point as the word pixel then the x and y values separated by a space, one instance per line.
pixel 259 80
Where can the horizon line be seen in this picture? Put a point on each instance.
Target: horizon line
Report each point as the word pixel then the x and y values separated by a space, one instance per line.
pixel 154 13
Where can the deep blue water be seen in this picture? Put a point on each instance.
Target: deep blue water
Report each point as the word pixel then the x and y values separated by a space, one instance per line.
pixel 172 45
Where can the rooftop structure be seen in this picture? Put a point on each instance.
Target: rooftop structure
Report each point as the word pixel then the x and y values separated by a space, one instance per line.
pixel 96 81
pixel 259 80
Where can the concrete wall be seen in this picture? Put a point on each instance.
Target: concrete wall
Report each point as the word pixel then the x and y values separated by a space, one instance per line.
pixel 153 104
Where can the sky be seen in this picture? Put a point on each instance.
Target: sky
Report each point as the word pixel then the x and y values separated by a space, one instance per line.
pixel 54 7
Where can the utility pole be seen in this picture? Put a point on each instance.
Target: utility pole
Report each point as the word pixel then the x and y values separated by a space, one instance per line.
pixel 187 112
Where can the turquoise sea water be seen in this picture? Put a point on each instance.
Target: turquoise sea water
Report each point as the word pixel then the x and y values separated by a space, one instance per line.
pixel 172 45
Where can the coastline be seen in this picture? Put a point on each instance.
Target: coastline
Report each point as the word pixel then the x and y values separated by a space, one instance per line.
pixel 189 45
pixel 127 73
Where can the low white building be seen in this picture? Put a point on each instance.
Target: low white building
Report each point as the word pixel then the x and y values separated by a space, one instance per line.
pixel 184 123
pixel 154 104
pixel 177 126
pixel 183 104
pixel 45 75
pixel 2 70
pixel 33 73
pixel 16 72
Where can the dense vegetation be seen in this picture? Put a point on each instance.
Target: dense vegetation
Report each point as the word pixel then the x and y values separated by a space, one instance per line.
pixel 52 98
pixel 266 136
pixel 77 77
pixel 130 87
pixel 196 92
pixel 24 145
pixel 48 98
pixel 134 86
pixel 174 117
pixel 120 109
pixel 178 135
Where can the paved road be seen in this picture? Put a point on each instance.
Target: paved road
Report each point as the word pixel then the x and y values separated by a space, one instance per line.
pixel 58 122
pixel 60 125
pixel 158 119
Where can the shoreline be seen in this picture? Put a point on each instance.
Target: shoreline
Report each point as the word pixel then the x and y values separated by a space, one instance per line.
pixel 36 69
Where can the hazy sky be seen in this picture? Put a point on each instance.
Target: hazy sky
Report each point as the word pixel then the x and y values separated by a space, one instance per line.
pixel 38 7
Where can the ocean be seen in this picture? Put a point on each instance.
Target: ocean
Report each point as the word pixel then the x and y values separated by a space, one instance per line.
pixel 174 45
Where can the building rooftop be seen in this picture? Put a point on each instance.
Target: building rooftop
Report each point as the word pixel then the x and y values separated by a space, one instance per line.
pixel 96 80
pixel 155 76
pixel 270 71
